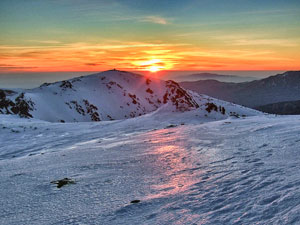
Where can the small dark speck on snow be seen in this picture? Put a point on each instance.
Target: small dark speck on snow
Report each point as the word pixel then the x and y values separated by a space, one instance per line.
pixel 63 182
pixel 135 201
pixel 170 126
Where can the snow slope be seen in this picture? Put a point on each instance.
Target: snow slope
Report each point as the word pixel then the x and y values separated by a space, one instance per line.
pixel 184 169
pixel 106 96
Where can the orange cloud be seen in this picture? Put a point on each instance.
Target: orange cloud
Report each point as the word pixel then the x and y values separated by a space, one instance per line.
pixel 82 56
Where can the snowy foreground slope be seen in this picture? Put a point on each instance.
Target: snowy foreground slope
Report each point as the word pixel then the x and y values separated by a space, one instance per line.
pixel 184 169
pixel 106 96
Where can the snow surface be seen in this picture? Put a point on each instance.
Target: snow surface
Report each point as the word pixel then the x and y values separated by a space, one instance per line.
pixel 185 168
pixel 184 158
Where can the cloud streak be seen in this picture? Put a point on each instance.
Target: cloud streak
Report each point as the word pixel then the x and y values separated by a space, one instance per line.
pixel 155 19
pixel 82 56
pixel 274 42
pixel 255 40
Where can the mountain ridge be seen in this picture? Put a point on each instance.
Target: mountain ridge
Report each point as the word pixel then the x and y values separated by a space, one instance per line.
pixel 214 76
pixel 277 88
pixel 282 108
pixel 108 95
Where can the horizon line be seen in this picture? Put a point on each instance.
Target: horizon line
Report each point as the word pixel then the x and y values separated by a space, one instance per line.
pixel 97 71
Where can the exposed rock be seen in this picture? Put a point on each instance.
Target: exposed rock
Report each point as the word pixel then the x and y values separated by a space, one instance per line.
pixel 149 91
pixel 63 182
pixel 171 126
pixel 19 106
pixel 135 201
pixel 179 97
pixel 211 106
pixel 66 84
pixel 148 81
pixel 92 110
pixel 234 114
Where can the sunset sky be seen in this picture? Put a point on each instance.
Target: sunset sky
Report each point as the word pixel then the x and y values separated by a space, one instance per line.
pixel 96 35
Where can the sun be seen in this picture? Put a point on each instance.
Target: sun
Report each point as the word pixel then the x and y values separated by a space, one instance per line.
pixel 154 69
pixel 152 65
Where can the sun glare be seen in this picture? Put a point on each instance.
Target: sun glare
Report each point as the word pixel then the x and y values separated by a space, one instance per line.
pixel 152 65
pixel 153 69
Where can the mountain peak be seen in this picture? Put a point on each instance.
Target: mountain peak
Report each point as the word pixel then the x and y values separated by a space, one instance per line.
pixel 108 95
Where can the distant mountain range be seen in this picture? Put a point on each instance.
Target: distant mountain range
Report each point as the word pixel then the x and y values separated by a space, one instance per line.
pixel 110 95
pixel 255 94
pixel 282 108
pixel 213 76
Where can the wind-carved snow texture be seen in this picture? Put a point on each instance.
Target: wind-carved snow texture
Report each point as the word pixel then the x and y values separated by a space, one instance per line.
pixel 160 168
pixel 106 96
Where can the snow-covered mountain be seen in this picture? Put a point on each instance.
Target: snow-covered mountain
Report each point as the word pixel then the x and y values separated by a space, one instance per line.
pixel 273 89
pixel 110 95
pixel 282 108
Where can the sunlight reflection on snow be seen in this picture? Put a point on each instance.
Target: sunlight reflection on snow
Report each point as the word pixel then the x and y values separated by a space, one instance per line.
pixel 175 173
